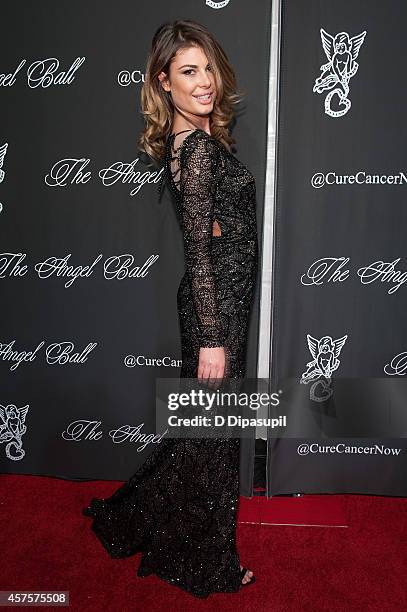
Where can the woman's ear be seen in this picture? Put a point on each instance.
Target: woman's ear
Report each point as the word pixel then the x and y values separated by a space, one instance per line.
pixel 162 77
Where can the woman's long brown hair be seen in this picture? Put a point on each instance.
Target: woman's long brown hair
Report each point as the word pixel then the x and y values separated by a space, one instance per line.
pixel 156 104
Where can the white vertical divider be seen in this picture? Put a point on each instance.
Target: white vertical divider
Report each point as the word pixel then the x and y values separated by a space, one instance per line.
pixel 266 297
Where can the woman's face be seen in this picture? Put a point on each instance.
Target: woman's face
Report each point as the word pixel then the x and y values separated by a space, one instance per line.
pixel 191 82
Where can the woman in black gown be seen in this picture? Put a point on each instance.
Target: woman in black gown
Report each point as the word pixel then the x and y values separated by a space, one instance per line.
pixel 180 508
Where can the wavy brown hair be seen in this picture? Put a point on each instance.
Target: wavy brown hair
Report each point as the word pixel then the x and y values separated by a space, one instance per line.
pixel 156 104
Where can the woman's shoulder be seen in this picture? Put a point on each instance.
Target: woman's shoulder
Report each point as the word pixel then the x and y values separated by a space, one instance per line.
pixel 198 135
pixel 200 143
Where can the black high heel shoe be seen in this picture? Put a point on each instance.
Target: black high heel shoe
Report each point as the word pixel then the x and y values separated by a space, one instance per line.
pixel 242 573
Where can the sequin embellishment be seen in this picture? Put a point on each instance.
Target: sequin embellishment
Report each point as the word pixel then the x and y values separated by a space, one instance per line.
pixel 180 507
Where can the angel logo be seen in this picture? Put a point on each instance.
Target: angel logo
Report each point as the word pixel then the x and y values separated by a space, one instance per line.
pixel 12 428
pixel 217 5
pixel 3 151
pixel 342 53
pixel 325 353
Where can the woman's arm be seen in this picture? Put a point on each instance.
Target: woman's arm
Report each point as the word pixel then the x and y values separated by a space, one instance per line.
pixel 197 183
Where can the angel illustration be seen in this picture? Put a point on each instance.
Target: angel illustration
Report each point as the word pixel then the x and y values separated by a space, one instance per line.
pixel 325 353
pixel 341 52
pixel 3 150
pixel 12 428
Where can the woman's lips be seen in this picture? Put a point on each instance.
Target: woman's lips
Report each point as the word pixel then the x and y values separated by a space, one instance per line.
pixel 204 99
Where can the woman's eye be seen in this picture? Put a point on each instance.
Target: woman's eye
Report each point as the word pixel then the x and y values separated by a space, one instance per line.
pixel 191 70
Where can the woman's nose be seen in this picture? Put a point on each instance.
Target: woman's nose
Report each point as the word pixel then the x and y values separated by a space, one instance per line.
pixel 204 80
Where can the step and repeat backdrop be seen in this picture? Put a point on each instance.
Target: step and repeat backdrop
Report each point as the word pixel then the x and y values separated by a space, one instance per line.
pixel 90 257
pixel 339 311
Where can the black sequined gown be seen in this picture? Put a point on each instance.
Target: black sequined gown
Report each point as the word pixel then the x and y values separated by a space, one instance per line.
pixel 180 508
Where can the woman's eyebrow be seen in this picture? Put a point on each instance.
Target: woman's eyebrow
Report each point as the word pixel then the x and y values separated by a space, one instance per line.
pixel 190 66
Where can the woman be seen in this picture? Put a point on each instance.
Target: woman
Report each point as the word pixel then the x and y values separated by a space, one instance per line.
pixel 180 507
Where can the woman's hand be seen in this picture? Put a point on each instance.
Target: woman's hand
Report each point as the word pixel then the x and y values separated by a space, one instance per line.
pixel 211 365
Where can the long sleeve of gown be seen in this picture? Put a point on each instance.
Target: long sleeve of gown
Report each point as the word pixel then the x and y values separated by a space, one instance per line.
pixel 197 183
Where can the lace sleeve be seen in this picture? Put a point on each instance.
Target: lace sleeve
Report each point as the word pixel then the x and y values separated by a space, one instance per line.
pixel 198 166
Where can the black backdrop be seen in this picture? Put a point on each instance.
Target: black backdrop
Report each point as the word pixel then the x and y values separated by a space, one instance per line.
pixel 70 90
pixel 79 356
pixel 326 222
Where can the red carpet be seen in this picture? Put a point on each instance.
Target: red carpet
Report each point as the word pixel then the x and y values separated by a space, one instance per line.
pixel 46 543
pixel 306 511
